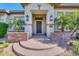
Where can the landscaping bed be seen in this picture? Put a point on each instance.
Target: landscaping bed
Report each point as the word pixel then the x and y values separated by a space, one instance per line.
pixel 3 45
pixel 74 47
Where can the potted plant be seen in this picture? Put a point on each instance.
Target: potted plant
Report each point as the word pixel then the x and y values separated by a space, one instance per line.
pixel 17 34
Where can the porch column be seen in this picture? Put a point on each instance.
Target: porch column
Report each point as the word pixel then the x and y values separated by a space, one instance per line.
pixel 50 22
pixel 28 21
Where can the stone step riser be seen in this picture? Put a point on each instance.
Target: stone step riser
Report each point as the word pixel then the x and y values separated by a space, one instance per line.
pixel 19 52
pixel 16 53
pixel 30 48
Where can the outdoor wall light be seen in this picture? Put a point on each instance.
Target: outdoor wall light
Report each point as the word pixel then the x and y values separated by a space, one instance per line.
pixel 51 18
pixel 27 18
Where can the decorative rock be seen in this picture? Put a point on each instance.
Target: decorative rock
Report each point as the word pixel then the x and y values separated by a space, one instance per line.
pixel 1 46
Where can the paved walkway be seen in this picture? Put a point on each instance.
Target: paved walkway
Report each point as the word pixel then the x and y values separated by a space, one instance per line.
pixel 37 46
pixel 3 39
pixel 7 51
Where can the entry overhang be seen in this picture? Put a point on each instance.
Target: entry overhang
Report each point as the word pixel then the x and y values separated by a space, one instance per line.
pixel 39 11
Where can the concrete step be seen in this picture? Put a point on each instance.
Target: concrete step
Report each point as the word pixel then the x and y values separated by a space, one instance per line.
pixel 20 51
pixel 36 45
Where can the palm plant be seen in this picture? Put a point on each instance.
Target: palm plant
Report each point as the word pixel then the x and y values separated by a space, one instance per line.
pixel 17 23
pixel 63 20
pixel 71 20
pixel 77 25
pixel 77 20
pixel 66 20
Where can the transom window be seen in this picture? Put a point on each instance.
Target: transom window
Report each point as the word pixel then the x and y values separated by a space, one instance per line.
pixel 38 18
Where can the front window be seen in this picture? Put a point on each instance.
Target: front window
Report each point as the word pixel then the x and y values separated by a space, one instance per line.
pixel 20 20
pixel 57 22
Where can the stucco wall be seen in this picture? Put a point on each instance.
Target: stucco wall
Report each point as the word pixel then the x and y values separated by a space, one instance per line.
pixel 34 6
pixel 4 18
pixel 28 29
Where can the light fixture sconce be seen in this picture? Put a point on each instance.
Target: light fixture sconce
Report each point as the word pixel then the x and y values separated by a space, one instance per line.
pixel 27 18
pixel 51 17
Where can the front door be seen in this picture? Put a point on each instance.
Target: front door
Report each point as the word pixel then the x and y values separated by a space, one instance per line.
pixel 38 26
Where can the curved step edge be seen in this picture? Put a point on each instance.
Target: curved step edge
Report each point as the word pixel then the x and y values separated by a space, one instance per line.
pixel 21 54
pixel 34 48
pixel 15 52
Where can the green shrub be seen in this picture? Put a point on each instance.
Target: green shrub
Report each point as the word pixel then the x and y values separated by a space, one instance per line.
pixel 4 44
pixel 77 35
pixel 76 49
pixel 3 29
pixel 75 43
pixel 70 43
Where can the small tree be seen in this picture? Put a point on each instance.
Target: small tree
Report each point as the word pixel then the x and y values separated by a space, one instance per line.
pixel 66 20
pixel 62 19
pixel 71 21
pixel 63 22
pixel 77 24
pixel 17 23
pixel 77 20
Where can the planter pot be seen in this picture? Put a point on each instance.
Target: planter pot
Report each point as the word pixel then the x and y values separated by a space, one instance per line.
pixel 17 36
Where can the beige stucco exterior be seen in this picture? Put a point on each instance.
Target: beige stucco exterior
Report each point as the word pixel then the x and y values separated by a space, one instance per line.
pixel 44 10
